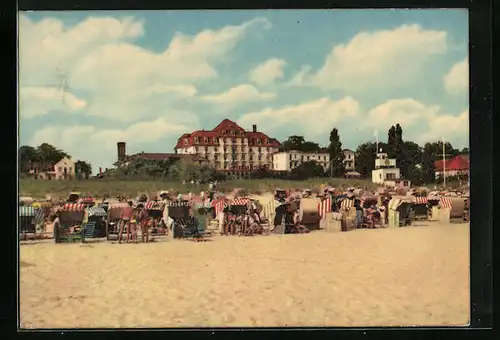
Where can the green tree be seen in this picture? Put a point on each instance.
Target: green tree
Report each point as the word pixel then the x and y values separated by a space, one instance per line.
pixel 336 155
pixel 83 169
pixel 365 157
pixel 307 170
pixel 50 154
pixel 27 154
pixel 300 144
pixel 410 161
pixel 293 143
pixel 433 152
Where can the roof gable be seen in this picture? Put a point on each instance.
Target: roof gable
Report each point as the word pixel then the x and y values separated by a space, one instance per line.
pixel 227 124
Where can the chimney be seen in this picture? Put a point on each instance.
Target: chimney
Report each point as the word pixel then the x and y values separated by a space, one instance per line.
pixel 100 170
pixel 121 151
pixel 254 128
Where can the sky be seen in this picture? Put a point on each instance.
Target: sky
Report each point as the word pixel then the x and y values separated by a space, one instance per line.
pixel 90 79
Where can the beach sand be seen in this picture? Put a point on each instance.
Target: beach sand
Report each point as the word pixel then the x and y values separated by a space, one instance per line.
pixel 398 276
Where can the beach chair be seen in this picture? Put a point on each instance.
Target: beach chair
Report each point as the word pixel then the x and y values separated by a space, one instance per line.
pixel 88 231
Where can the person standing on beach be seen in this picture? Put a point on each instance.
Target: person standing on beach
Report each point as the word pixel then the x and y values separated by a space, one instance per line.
pixel 144 222
pixel 359 213
pixel 125 218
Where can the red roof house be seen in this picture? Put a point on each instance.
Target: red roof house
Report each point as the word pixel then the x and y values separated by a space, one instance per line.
pixel 457 163
pixel 226 129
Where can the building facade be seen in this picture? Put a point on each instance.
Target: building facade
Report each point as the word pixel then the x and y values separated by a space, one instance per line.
pixel 349 160
pixel 289 160
pixel 456 166
pixel 124 159
pixel 62 170
pixel 229 147
pixel 385 170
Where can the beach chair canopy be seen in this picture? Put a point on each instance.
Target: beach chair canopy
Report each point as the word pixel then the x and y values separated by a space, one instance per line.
pixel 97 211
pixel 27 211
pixel 154 205
pixel 239 201
pixel 72 207
pixel 178 211
pixel 420 200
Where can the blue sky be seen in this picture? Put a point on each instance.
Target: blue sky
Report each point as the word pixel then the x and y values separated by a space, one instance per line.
pixel 91 79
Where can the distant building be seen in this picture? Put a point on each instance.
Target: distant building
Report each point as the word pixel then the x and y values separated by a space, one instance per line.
pixel 289 160
pixel 385 169
pixel 456 166
pixel 349 160
pixel 229 147
pixel 62 170
pixel 124 159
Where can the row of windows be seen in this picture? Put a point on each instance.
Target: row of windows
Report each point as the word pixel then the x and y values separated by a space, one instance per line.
pixel 307 157
pixel 206 140
pixel 250 158
pixel 235 150
pixel 59 169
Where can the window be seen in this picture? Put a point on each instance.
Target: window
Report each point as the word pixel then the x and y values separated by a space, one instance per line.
pixel 290 165
pixel 324 158
pixel 390 176
pixel 185 141
pixel 380 176
pixel 242 133
pixel 223 132
pixel 307 157
pixel 259 141
pixel 233 132
pixel 290 157
pixel 206 140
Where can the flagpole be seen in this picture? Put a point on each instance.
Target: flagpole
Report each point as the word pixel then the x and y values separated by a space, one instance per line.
pixel 376 136
pixel 444 166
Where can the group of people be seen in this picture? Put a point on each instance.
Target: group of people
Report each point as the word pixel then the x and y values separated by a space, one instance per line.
pixel 130 218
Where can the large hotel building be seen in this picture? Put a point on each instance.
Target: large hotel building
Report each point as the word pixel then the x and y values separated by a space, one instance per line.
pixel 229 147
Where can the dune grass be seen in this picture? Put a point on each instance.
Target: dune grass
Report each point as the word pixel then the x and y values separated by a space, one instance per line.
pixel 99 188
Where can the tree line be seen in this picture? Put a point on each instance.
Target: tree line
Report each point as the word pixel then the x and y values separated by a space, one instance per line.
pixel 416 163
pixel 45 155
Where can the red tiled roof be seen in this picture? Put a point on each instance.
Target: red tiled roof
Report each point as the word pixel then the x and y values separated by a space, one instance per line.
pixel 160 156
pixel 220 132
pixel 153 156
pixel 227 124
pixel 453 164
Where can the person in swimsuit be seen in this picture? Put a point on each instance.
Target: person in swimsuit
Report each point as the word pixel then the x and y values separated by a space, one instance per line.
pixel 143 217
pixel 126 217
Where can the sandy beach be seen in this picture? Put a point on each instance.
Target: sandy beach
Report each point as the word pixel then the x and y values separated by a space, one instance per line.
pixel 398 276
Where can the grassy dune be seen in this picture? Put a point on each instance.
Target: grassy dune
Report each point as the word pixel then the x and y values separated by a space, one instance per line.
pixel 97 188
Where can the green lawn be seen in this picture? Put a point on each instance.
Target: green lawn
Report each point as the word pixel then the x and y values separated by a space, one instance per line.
pixel 98 188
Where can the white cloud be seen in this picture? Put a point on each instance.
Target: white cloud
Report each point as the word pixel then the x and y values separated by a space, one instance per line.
pixel 38 101
pixel 449 126
pixel 456 81
pixel 420 123
pixel 310 118
pixel 268 72
pixel 300 77
pixel 382 58
pixel 239 94
pixel 98 59
pixel 100 144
